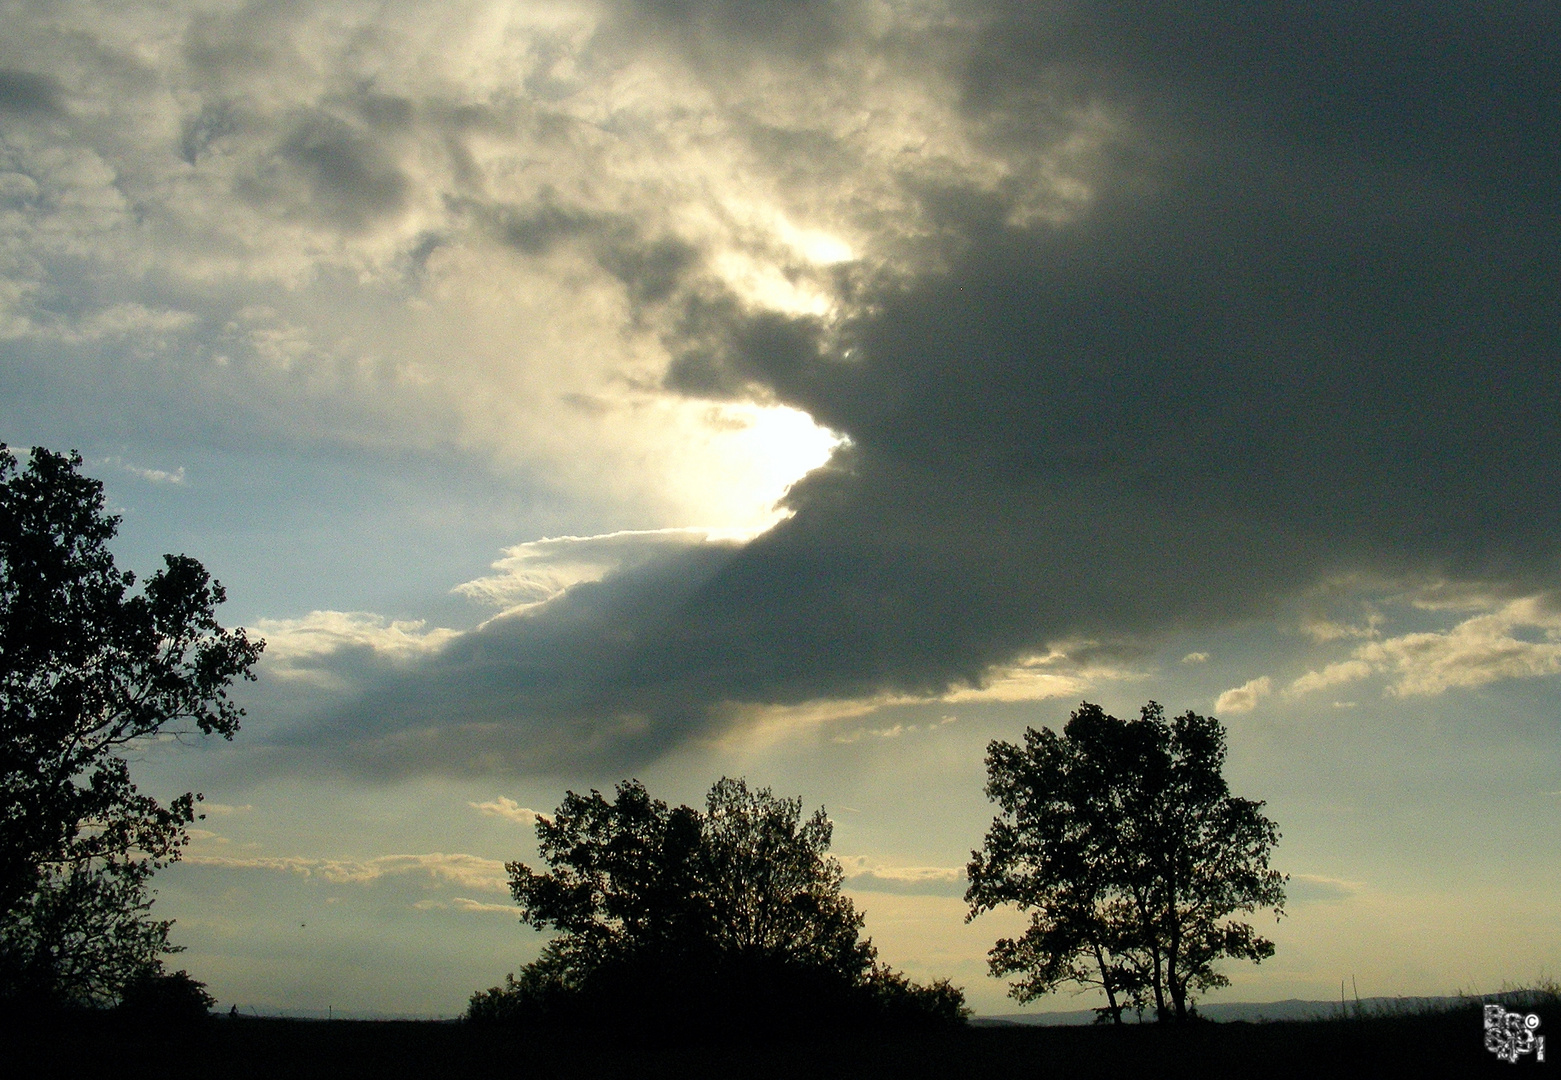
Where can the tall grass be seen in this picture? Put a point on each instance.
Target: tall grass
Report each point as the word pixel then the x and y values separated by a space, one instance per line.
pixel 1544 992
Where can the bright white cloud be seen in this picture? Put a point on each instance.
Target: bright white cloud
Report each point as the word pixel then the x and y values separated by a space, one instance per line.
pixel 1244 698
pixel 1477 651
pixel 1039 677
pixel 510 810
pixel 1522 639
pixel 1333 675
pixel 535 572
pixel 301 648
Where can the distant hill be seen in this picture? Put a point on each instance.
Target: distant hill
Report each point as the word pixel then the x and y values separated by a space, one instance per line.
pixel 1289 1009
pixel 1252 1011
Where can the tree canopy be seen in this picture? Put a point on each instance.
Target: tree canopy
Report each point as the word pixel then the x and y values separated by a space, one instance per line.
pixel 1122 841
pixel 734 910
pixel 90 670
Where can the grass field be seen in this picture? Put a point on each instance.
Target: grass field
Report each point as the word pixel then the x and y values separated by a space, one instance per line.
pixel 1448 1043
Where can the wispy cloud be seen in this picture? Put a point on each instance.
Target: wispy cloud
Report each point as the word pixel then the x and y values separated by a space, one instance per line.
pixel 1324 630
pixel 1317 888
pixel 894 731
pixel 151 476
pixel 1479 650
pixel 216 809
pixel 469 871
pixel 465 904
pixel 535 572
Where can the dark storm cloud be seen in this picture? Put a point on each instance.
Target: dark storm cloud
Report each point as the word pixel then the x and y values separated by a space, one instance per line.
pixel 1325 307
pixel 28 93
pixel 326 169
pixel 709 30
pixel 650 268
pixel 1306 325
pixel 587 682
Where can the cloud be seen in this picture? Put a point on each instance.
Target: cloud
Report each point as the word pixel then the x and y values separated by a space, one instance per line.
pixel 1244 698
pixel 612 672
pixel 1196 658
pixel 892 732
pixel 1324 630
pixel 1333 675
pixel 874 733
pixel 309 224
pixel 1120 323
pixel 151 476
pixel 863 874
pixel 29 93
pixel 465 904
pixel 224 809
pixel 510 810
pixel 1315 888
pixel 1064 670
pixel 535 572
pixel 468 871
pixel 1479 650
pixel 327 648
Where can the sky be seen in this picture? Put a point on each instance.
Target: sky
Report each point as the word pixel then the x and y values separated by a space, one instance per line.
pixel 814 391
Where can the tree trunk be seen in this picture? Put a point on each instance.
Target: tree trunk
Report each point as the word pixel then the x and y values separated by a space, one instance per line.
pixel 1175 979
pixel 1160 1013
pixel 1106 981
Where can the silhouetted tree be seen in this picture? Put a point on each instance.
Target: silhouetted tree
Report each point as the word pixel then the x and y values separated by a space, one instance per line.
pixel 1123 842
pixel 689 917
pixel 89 670
pixel 770 889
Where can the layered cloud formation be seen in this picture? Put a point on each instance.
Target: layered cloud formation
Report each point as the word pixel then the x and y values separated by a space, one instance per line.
pixel 1119 319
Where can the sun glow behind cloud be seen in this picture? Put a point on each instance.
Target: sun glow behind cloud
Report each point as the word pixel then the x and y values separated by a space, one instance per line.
pixel 753 454
pixel 478 229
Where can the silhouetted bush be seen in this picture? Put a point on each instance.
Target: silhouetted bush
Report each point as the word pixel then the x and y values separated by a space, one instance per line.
pixel 673 922
pixel 169 997
pixel 682 996
pixel 901 1002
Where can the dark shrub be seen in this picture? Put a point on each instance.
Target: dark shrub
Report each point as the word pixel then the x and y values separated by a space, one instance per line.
pixel 167 996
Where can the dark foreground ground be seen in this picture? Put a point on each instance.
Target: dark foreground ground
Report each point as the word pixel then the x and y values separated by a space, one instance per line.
pixel 1445 1044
